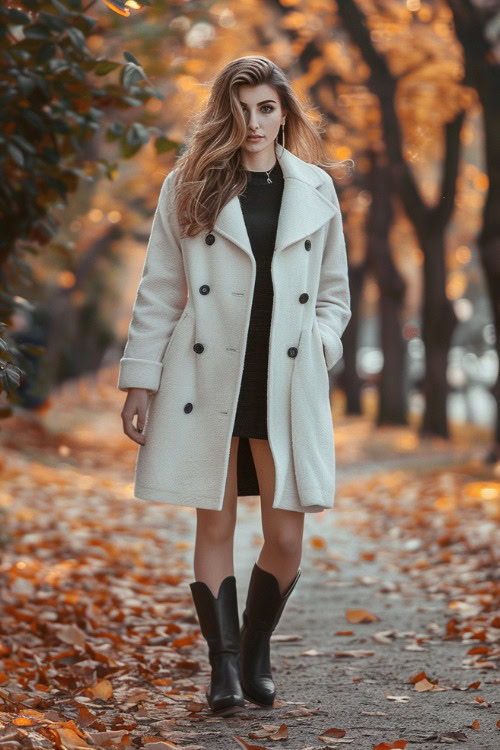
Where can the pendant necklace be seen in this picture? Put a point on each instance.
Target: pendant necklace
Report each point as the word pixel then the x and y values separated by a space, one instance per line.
pixel 269 181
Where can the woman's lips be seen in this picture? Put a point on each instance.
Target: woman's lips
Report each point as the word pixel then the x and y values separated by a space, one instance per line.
pixel 254 138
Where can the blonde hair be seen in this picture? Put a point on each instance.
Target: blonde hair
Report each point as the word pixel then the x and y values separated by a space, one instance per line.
pixel 210 171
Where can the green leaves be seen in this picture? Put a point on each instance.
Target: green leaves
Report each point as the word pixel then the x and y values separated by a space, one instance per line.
pixel 56 93
pixel 135 136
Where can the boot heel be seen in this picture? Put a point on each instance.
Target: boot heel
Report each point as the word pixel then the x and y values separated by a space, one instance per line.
pixel 219 624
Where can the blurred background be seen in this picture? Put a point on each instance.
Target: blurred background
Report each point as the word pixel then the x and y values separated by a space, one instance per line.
pixel 95 101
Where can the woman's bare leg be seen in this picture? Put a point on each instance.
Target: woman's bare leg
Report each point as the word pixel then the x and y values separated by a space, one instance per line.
pixel 213 552
pixel 282 529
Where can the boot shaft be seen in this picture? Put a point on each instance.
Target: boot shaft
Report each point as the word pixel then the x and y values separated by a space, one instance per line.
pixel 218 616
pixel 265 603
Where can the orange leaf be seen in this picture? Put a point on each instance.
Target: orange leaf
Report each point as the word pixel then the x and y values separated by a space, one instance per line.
pixel 85 717
pixel 102 689
pixel 281 733
pixel 423 685
pixel 246 746
pixel 391 745
pixel 72 635
pixel 318 542
pixel 188 640
pixel 360 615
pixel 333 732
pixel 417 677
pixel 71 740
pixel 479 650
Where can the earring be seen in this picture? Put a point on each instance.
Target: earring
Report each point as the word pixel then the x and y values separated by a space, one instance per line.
pixel 283 135
pixel 282 128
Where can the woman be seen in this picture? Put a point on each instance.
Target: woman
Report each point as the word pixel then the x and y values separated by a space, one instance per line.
pixel 238 317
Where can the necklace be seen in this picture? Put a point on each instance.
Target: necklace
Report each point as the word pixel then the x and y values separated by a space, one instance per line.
pixel 269 181
pixel 266 172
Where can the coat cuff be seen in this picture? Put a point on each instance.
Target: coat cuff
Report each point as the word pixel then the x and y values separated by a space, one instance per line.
pixel 139 373
pixel 332 345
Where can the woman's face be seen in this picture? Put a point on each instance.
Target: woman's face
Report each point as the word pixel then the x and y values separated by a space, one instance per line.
pixel 263 114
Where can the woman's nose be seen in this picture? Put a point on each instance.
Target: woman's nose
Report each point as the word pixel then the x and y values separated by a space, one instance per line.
pixel 253 121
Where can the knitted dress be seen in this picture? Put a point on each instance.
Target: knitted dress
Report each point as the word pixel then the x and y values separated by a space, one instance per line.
pixel 260 204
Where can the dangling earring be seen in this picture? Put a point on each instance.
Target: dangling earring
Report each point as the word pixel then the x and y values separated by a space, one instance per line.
pixel 277 139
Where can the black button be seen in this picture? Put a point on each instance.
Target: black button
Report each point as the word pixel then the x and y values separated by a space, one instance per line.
pixel 198 348
pixel 210 239
pixel 293 351
pixel 303 298
pixel 307 244
pixel 188 408
pixel 204 289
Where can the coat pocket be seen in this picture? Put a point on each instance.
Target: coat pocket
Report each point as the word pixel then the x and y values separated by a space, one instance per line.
pixel 311 422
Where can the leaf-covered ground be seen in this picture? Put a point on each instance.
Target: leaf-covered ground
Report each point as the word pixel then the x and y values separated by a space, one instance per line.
pixel 390 640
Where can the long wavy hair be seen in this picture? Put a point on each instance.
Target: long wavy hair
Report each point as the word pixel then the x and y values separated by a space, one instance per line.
pixel 210 171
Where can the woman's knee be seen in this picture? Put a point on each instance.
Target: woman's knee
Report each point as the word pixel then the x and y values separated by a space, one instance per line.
pixel 286 540
pixel 214 526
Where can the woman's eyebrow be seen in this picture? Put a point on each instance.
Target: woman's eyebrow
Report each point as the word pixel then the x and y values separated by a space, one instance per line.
pixel 259 103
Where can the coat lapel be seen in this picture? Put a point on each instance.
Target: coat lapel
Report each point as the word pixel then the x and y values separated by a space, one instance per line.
pixel 304 209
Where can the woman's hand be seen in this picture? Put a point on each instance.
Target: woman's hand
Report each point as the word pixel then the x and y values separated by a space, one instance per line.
pixel 135 403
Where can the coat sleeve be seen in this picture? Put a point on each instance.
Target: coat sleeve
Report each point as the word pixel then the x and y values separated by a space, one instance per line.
pixel 161 298
pixel 333 309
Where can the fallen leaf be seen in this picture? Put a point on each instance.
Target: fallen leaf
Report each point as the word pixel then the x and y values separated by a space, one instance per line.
pixel 102 689
pixel 355 653
pixel 311 652
pixel 333 732
pixel 242 743
pixel 71 634
pixel 360 615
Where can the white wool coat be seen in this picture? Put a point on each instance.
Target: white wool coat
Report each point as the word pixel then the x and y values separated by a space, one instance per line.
pixel 187 339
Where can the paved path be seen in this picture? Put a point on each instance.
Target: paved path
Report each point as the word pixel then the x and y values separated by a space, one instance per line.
pixel 351 693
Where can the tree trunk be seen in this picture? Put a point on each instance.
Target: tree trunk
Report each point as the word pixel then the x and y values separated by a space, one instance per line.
pixel 349 379
pixel 438 324
pixel 392 391
pixel 425 220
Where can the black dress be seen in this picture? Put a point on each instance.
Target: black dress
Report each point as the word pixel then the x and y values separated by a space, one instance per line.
pixel 260 204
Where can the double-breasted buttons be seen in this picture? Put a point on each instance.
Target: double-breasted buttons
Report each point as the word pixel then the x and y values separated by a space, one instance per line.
pixel 210 239
pixel 204 289
pixel 198 348
pixel 293 351
pixel 303 298
pixel 188 408
pixel 307 244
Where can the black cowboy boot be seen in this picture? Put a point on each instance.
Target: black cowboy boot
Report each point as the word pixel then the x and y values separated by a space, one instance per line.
pixel 219 623
pixel 263 610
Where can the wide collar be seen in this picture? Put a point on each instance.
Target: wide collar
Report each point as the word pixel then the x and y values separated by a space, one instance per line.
pixel 303 208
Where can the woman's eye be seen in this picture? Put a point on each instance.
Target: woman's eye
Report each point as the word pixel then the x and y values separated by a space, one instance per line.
pixel 245 110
